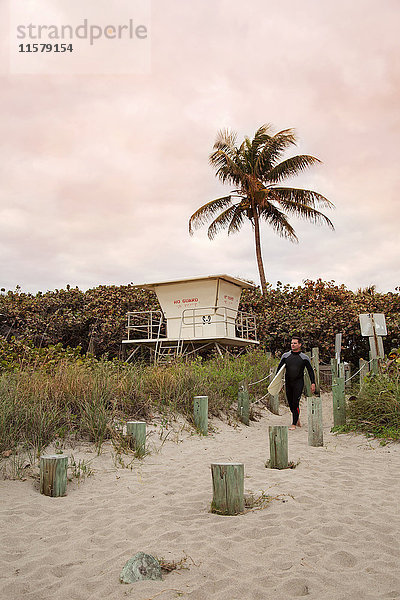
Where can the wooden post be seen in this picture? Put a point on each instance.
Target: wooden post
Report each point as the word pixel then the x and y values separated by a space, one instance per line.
pixel 53 475
pixel 334 369
pixel 341 369
pixel 278 446
pixel 273 401
pixel 273 404
pixel 243 403
pixel 200 413
pixel 375 366
pixel 228 488
pixel 315 427
pixel 307 381
pixel 307 385
pixel 339 402
pixel 315 366
pixel 136 431
pixel 363 365
pixel 348 380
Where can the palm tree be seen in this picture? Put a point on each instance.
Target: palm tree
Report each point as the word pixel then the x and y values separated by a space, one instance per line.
pixel 254 170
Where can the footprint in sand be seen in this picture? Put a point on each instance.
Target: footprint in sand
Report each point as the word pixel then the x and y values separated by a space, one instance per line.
pixel 332 531
pixel 296 588
pixel 343 559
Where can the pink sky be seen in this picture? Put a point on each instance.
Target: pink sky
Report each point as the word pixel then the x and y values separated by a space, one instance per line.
pixel 100 173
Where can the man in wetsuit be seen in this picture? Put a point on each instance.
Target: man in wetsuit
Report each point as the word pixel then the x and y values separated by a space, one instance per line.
pixel 296 361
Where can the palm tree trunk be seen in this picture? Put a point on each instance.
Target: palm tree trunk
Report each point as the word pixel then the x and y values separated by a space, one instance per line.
pixel 258 252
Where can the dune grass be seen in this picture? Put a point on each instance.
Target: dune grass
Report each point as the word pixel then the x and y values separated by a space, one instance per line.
pixel 85 400
pixel 375 409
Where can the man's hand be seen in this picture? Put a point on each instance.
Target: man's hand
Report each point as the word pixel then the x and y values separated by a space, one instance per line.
pixel 313 388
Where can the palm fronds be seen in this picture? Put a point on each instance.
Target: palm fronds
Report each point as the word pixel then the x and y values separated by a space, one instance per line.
pixel 272 149
pixel 293 200
pixel 290 167
pixel 278 221
pixel 254 170
pixel 204 213
pixel 221 222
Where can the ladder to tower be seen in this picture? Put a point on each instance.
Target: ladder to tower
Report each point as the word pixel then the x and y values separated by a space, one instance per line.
pixel 167 351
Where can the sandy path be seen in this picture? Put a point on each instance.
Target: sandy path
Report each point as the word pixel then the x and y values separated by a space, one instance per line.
pixel 331 533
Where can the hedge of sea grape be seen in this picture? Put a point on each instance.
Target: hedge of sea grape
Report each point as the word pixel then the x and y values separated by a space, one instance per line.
pixel 96 319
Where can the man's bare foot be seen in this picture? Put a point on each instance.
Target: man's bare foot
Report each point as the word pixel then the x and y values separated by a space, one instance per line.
pixel 298 424
pixel 292 427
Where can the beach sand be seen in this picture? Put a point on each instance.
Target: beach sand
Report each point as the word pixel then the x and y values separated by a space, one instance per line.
pixel 330 531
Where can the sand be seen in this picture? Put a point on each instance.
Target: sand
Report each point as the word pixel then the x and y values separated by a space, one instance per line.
pixel 330 531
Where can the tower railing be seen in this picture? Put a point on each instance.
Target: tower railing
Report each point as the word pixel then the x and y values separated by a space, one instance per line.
pixel 146 325
pixel 246 326
pixel 243 324
pixel 152 325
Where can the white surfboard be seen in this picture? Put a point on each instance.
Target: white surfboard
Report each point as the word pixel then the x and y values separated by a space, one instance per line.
pixel 277 383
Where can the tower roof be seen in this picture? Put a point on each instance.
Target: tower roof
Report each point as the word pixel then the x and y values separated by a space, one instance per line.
pixel 235 280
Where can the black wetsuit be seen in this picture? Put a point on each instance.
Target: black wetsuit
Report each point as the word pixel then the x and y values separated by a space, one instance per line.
pixel 295 363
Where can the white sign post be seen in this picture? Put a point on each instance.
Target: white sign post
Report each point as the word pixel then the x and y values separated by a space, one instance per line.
pixel 373 326
pixel 338 346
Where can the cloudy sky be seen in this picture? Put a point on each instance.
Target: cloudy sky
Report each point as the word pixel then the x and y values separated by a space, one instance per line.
pixel 100 173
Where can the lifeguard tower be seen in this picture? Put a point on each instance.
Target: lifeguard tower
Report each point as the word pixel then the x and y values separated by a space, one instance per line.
pixel 196 313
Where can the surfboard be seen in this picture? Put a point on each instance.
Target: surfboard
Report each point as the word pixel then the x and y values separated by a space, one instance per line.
pixel 277 383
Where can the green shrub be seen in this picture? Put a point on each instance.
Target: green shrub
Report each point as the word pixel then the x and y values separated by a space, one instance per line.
pixel 96 319
pixel 376 409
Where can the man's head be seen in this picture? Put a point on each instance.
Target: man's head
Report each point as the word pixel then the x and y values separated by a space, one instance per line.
pixel 295 343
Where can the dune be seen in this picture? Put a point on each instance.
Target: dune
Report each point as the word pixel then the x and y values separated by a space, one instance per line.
pixel 329 531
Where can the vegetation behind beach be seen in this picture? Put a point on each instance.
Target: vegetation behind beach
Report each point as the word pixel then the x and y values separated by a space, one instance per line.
pixel 95 320
pixel 52 388
pixel 375 408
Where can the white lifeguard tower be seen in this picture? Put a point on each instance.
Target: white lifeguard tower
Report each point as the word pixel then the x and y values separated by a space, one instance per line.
pixel 196 313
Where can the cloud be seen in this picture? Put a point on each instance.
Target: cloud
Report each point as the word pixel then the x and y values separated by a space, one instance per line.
pixel 101 173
